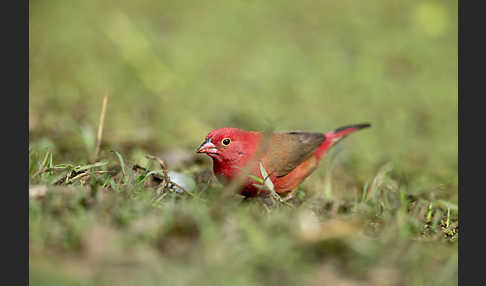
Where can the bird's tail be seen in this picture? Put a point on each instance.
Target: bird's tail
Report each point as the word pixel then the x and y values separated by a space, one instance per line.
pixel 340 133
pixel 334 136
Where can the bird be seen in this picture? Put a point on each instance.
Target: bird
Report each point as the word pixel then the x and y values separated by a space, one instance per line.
pixel 288 158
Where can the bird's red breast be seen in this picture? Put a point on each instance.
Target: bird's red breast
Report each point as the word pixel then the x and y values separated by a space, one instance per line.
pixel 288 157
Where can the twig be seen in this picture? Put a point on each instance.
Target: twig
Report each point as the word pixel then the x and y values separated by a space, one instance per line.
pixel 85 174
pixel 42 165
pixel 100 127
pixel 161 163
pixel 54 169
pixel 180 187
pixel 166 175
pixel 137 167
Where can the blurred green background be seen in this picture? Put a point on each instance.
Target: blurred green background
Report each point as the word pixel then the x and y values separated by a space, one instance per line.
pixel 174 70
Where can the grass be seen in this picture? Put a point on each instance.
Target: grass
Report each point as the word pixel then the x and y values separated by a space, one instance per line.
pixel 115 227
pixel 380 210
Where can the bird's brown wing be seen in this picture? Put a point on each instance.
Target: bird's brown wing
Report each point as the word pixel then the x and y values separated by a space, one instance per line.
pixel 286 150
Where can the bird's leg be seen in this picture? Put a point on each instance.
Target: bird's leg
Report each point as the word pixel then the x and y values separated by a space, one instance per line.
pixel 279 199
pixel 276 197
pixel 290 195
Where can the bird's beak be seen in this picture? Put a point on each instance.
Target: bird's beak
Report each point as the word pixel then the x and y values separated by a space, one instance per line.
pixel 207 147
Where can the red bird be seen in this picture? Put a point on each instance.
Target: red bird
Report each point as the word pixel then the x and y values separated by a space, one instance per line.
pixel 287 157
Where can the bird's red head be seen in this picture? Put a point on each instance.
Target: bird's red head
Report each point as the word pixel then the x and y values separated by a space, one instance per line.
pixel 228 144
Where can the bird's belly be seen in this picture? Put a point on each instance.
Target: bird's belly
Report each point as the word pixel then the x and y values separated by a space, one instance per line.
pixel 285 183
pixel 282 184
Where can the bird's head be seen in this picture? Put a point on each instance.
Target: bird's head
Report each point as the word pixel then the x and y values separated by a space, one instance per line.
pixel 227 144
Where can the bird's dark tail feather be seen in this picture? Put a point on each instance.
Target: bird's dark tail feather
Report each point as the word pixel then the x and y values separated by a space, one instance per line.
pixel 338 134
pixel 334 136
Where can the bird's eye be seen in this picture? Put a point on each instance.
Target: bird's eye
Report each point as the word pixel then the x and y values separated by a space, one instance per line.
pixel 226 141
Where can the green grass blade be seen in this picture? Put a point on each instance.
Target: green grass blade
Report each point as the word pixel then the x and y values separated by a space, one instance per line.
pixel 122 163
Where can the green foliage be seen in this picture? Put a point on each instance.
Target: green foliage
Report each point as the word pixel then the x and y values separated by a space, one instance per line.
pixel 128 230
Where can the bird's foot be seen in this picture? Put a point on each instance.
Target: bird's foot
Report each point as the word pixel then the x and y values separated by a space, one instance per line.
pixel 290 195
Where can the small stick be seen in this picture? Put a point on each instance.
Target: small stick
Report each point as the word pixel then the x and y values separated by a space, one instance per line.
pixel 40 171
pixel 53 169
pixel 180 187
pixel 86 174
pixel 100 127
pixel 161 163
pixel 166 175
